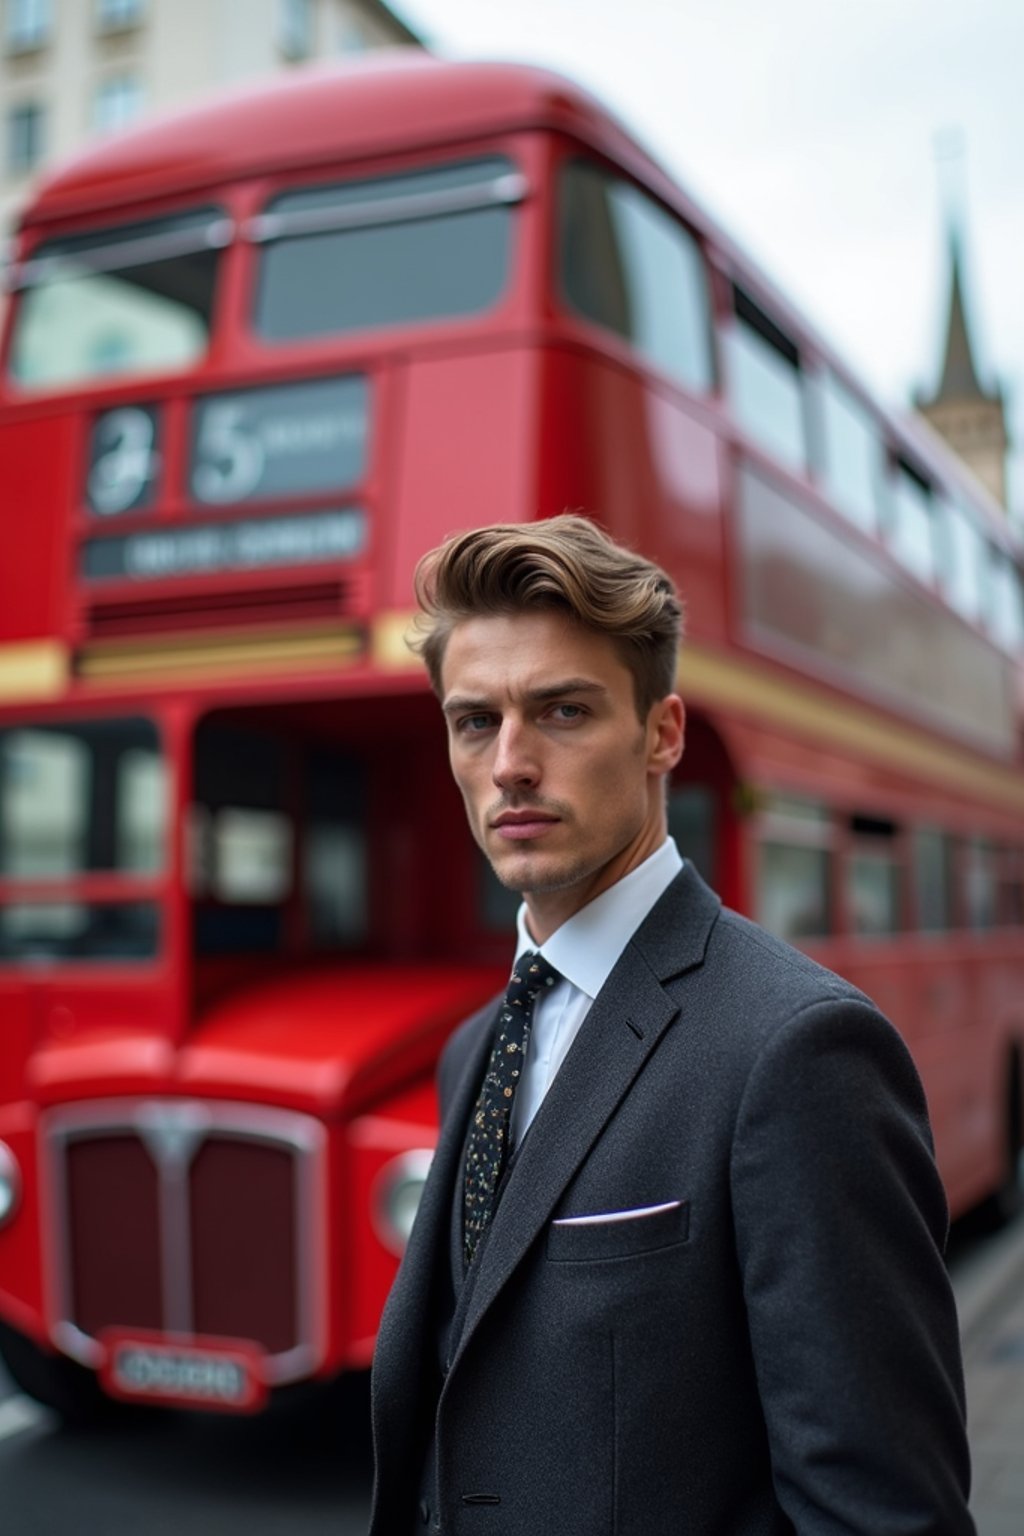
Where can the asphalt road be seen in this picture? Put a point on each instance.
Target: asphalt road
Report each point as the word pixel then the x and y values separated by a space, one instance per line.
pixel 302 1470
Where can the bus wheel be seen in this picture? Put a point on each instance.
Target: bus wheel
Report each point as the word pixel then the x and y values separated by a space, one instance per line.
pixel 56 1382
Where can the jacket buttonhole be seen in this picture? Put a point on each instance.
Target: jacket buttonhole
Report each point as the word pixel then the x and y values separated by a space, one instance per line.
pixel 481 1498
pixel 635 1027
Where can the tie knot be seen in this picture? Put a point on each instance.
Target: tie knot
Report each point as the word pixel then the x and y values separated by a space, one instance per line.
pixel 531 975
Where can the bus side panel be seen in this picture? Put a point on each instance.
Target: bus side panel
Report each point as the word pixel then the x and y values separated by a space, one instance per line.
pixel 16 1033
pixel 35 469
pixel 466 457
pixel 637 458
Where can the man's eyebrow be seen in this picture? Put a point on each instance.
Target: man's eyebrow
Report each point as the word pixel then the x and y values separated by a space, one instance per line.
pixel 460 704
pixel 560 689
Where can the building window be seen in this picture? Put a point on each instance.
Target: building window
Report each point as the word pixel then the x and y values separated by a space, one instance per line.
pixel 29 23
pixel 24 138
pixel 295 28
pixel 351 37
pixel 630 266
pixel 765 383
pixel 118 103
pixel 118 15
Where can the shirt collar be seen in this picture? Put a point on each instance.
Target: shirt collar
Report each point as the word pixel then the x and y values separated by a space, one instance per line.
pixel 587 946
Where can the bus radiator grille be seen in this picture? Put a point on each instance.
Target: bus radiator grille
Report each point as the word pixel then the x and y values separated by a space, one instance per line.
pixel 171 1222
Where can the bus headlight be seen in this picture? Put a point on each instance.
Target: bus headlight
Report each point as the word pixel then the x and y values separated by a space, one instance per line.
pixel 397 1194
pixel 10 1184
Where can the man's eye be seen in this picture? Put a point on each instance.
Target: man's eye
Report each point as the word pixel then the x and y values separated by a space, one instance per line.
pixel 473 724
pixel 567 712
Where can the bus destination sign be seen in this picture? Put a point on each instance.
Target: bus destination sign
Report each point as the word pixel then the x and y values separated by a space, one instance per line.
pixel 124 461
pixel 286 440
pixel 255 544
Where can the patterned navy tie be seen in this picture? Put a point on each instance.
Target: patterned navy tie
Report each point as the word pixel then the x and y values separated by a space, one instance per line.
pixel 488 1144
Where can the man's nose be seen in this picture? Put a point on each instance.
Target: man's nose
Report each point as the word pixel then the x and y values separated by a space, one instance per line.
pixel 515 756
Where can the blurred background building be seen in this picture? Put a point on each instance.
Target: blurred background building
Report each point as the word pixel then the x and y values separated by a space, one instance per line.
pixel 970 417
pixel 72 69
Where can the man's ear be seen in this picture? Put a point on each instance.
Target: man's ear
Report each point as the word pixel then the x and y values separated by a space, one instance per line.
pixel 666 733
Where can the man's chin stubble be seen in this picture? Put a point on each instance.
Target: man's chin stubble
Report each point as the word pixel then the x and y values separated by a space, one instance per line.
pixel 543 883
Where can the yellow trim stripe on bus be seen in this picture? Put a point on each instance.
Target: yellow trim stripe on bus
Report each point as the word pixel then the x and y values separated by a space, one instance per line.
pixel 725 682
pixel 205 655
pixel 32 669
pixel 39 669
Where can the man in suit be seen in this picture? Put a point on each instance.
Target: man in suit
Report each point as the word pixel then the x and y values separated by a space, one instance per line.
pixel 678 1263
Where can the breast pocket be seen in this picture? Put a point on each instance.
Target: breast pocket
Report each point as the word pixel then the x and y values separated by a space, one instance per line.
pixel 618 1234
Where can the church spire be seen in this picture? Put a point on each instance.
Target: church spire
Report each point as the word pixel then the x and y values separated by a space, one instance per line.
pixel 970 418
pixel 959 380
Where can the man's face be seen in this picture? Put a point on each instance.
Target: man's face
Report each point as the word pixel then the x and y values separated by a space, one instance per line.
pixel 561 780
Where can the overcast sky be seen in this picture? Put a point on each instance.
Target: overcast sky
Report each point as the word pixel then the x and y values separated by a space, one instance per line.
pixel 809 129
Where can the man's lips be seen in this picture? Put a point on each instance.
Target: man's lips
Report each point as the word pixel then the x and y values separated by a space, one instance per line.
pixel 516 826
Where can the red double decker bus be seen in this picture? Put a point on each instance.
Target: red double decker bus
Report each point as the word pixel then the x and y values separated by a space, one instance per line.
pixel 257 358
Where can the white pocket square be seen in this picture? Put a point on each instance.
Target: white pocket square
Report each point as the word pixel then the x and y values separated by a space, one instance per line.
pixel 637 1211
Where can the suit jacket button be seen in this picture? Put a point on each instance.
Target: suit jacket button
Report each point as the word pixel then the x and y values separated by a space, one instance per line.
pixel 424 1511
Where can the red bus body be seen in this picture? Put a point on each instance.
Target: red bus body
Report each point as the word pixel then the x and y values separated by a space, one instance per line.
pixel 216 1075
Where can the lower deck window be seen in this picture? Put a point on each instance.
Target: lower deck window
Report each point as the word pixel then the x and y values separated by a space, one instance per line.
pixel 78 930
pixel 981 889
pixel 793 891
pixel 873 894
pixel 933 880
pixel 278 843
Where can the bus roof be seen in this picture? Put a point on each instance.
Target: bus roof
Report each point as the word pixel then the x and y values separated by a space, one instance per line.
pixel 395 99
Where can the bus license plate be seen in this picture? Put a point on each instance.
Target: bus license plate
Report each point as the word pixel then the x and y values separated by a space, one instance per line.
pixel 222 1375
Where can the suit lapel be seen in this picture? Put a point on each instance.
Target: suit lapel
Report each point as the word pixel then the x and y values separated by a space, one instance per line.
pixel 619 1034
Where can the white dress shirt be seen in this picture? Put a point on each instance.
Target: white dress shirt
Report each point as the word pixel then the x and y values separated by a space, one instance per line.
pixel 585 951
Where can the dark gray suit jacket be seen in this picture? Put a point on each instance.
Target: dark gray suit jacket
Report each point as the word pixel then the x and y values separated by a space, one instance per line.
pixel 777 1351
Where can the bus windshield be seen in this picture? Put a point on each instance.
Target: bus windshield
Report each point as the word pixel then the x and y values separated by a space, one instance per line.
pixel 135 298
pixel 78 799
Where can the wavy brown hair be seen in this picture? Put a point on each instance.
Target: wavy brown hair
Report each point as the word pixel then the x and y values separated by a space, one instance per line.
pixel 563 563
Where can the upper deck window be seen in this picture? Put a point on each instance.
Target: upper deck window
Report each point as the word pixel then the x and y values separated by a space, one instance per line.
pixel 854 458
pixel 134 298
pixel 911 531
pixel 630 266
pixel 962 559
pixel 1007 622
pixel 765 383
pixel 355 255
